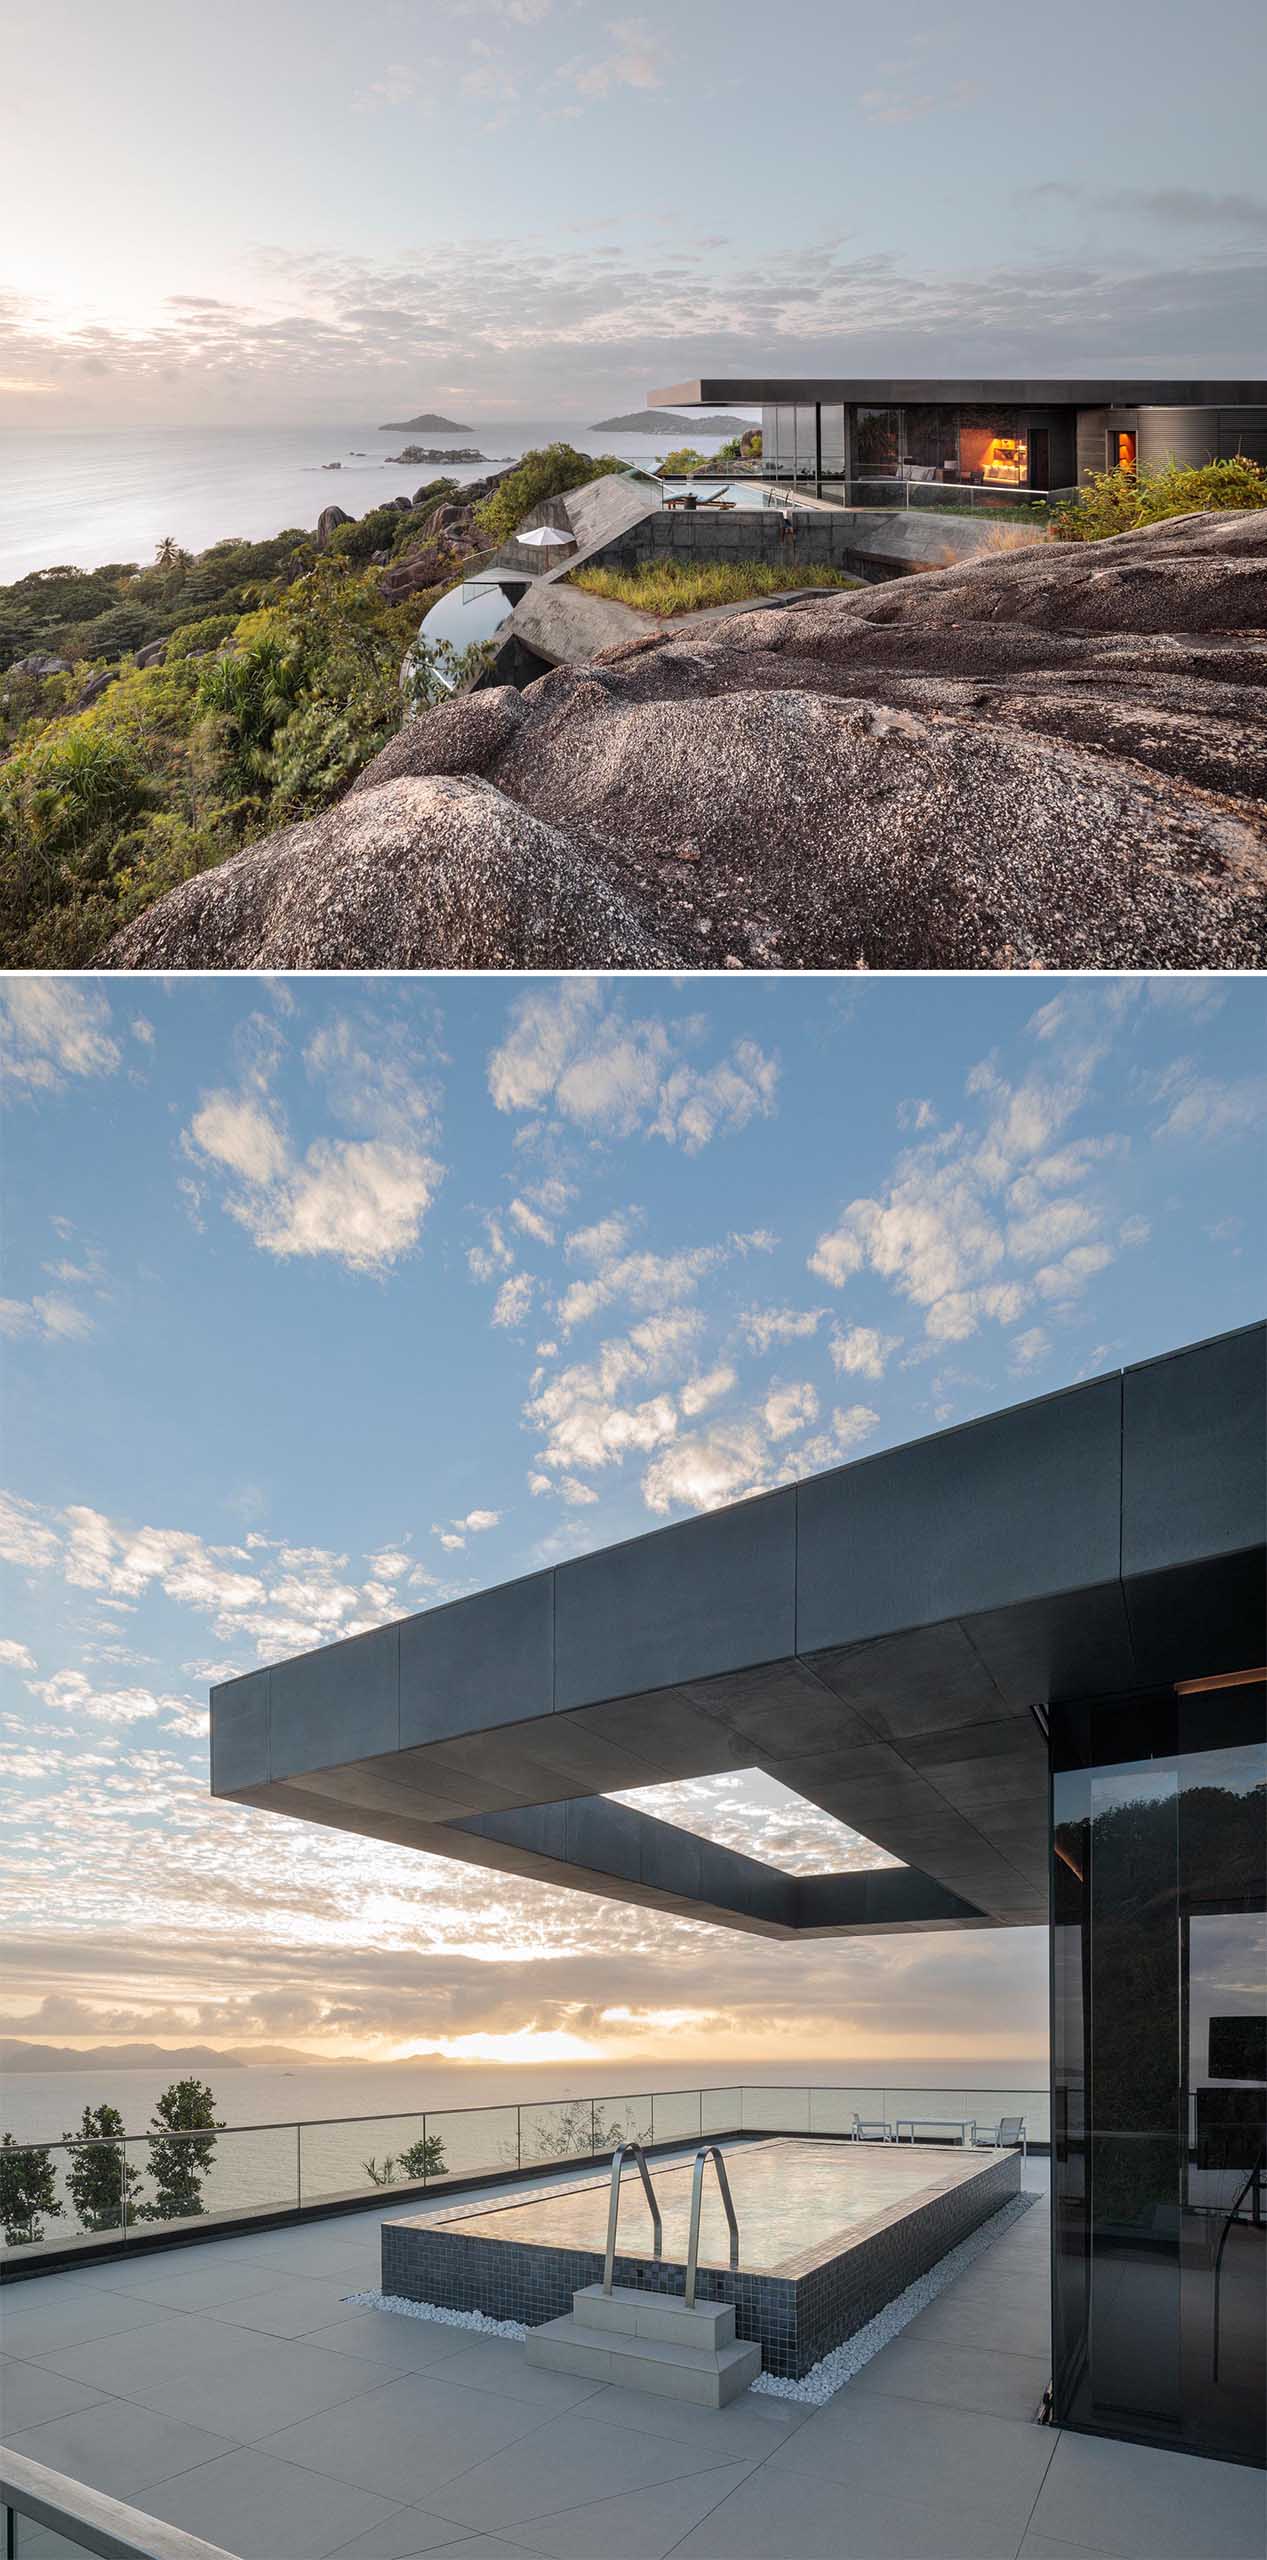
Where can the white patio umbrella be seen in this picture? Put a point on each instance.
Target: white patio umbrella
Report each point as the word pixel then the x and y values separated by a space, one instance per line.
pixel 545 536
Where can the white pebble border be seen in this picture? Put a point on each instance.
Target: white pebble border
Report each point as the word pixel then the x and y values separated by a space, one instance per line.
pixel 439 2311
pixel 824 2379
pixel 833 2371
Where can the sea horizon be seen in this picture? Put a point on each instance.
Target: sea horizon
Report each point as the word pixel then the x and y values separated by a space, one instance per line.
pixel 39 2106
pixel 84 496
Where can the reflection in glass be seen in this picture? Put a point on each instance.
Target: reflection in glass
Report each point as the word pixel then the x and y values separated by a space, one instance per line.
pixel 876 441
pixel 1159 2022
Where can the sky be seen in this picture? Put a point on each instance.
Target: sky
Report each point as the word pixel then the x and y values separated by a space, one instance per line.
pixel 533 209
pixel 325 1301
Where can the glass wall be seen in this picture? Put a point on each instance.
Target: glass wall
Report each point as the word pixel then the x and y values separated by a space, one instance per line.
pixel 877 440
pixel 993 448
pixel 1159 2066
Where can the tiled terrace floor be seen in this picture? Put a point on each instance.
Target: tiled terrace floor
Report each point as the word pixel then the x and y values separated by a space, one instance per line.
pixel 230 2388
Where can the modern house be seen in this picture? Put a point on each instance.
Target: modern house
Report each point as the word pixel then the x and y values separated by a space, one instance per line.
pixel 994 434
pixel 1025 1657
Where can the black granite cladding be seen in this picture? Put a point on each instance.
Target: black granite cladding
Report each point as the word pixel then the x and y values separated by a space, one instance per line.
pixel 797 2318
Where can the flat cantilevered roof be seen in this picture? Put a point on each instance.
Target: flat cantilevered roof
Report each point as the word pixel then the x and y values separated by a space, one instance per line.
pixel 883 1638
pixel 1107 391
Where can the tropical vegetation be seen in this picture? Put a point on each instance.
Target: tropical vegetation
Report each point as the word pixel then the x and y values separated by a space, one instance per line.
pixel 1121 501
pixel 279 680
pixel 28 2188
pixel 548 472
pixel 687 586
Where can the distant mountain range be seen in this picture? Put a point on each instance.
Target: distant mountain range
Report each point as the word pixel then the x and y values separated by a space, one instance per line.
pixel 429 423
pixel 661 422
pixel 16 2055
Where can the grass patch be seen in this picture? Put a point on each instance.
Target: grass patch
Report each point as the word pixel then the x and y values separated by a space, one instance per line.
pixel 678 586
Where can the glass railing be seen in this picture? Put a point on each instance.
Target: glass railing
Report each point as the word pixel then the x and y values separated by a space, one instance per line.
pixel 44 2514
pixel 60 2195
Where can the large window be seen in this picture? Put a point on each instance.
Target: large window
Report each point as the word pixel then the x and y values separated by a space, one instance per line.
pixel 1159 2030
pixel 876 443
pixel 929 442
pixel 993 448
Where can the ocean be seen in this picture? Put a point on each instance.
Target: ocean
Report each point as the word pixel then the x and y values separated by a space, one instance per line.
pixel 42 2105
pixel 328 2131
pixel 80 497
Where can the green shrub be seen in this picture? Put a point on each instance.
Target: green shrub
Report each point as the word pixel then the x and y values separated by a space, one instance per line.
pixel 547 472
pixel 194 639
pixel 103 2184
pixel 684 459
pixel 28 2188
pixel 1121 501
pixel 687 586
pixel 181 2154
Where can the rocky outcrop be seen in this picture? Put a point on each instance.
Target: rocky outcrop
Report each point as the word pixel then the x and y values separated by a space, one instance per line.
pixel 39 664
pixel 328 523
pixel 1054 758
pixel 423 873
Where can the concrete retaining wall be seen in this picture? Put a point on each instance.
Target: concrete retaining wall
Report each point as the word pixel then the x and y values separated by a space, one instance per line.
pixel 866 542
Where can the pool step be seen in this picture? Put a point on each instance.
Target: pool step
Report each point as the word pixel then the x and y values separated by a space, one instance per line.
pixel 649 2342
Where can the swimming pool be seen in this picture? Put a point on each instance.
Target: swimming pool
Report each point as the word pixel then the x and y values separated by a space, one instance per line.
pixel 829 2232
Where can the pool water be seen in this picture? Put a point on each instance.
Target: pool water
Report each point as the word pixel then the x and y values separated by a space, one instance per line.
pixel 794 2202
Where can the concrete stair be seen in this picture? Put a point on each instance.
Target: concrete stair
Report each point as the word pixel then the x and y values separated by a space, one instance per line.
pixel 650 2342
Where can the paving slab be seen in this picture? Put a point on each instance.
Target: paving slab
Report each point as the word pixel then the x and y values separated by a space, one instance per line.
pixel 145 2361
pixel 176 2284
pixel 53 2318
pixel 248 2502
pixel 571 2462
pixel 953 2458
pixel 408 2437
pixel 952 2373
pixel 773 2516
pixel 1140 2503
pixel 499 2364
pixel 408 2533
pixel 746 2431
pixel 117 2447
pixel 29 2393
pixel 287 2306
pixel 251 2388
pixel 644 2524
pixel 388 2337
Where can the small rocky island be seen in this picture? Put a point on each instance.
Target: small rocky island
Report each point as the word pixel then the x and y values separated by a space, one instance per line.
pixel 441 453
pixel 427 424
pixel 662 422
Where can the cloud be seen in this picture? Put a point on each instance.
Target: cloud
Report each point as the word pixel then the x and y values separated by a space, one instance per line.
pixel 18 1656
pixel 53 1028
pixel 699 1393
pixel 530 1221
pixel 1028 1350
pixel 964 1205
pixel 586 1415
pixel 637 59
pixel 49 1318
pixel 642 1279
pixel 573 1049
pixel 786 1410
pixel 361 1200
pixel 862 1351
pixel 761 1327
pixel 514 1299
pixel 1211 1108
pixel 1190 208
pixel 707 1468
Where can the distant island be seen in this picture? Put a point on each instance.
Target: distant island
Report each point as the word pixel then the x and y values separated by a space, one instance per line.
pixel 662 422
pixel 429 424
pixel 436 453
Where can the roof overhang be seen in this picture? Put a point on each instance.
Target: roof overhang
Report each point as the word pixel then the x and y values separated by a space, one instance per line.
pixel 1109 391
pixel 879 1638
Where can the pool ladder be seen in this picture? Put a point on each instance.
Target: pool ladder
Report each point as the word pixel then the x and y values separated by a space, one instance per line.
pixel 706 2152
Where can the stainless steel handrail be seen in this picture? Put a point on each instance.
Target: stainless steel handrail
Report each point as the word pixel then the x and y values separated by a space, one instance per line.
pixel 706 2152
pixel 629 2151
pixel 102 2525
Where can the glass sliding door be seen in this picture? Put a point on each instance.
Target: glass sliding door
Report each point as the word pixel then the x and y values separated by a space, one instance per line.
pixel 1159 2065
